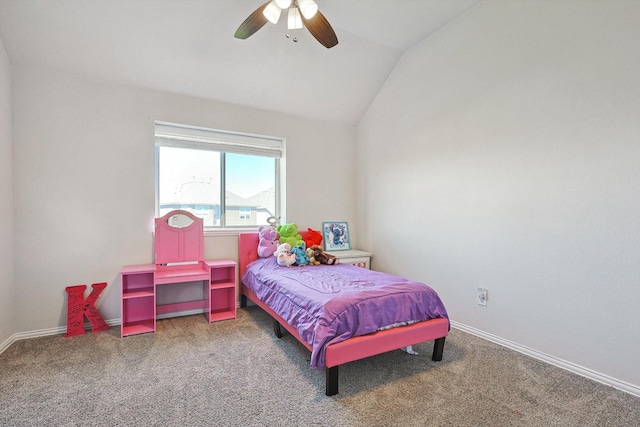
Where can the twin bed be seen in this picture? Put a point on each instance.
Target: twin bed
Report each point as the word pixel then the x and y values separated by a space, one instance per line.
pixel 341 313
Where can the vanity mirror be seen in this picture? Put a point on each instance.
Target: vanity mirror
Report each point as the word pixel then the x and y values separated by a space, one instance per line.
pixel 180 220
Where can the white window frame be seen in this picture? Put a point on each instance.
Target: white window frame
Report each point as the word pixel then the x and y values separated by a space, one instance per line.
pixel 169 134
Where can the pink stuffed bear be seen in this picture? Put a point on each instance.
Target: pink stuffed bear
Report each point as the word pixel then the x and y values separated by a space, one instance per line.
pixel 268 242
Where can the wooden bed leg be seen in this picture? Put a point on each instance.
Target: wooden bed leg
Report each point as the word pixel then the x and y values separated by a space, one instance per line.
pixel 438 347
pixel 332 381
pixel 243 300
pixel 276 329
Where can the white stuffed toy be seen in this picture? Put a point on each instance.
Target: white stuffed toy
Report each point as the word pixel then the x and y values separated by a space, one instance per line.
pixel 409 350
pixel 284 255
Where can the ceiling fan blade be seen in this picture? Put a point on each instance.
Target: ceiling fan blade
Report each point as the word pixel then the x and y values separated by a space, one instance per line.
pixel 253 23
pixel 320 28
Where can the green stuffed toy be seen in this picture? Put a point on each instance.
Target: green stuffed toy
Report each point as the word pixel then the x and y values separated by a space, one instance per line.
pixel 289 234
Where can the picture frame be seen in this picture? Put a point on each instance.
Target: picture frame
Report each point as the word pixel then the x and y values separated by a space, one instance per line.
pixel 336 236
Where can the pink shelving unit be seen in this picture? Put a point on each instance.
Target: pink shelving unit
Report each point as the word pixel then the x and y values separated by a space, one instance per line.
pixel 222 290
pixel 178 259
pixel 138 307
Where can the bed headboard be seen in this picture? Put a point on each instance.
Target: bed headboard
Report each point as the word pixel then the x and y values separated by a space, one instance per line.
pixel 247 249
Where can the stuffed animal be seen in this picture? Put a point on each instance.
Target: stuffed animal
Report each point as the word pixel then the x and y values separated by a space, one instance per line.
pixel 284 256
pixel 301 254
pixel 311 254
pixel 322 256
pixel 311 237
pixel 285 247
pixel 289 234
pixel 409 350
pixel 268 241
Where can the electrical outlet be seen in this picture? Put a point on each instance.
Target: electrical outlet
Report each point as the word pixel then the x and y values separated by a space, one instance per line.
pixel 483 296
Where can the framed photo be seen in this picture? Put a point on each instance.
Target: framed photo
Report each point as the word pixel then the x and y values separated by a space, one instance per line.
pixel 336 236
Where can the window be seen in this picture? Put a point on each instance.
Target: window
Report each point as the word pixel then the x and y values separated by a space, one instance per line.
pixel 228 179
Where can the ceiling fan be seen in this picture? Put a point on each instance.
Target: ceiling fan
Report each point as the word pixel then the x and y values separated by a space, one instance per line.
pixel 300 12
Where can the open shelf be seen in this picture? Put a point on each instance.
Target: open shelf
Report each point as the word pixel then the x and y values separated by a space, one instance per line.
pixel 216 316
pixel 138 315
pixel 140 293
pixel 222 290
pixel 135 328
pixel 222 285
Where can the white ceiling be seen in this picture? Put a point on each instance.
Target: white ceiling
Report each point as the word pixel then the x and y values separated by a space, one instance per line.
pixel 187 47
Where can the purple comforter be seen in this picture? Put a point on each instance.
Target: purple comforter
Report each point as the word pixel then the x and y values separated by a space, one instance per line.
pixel 331 303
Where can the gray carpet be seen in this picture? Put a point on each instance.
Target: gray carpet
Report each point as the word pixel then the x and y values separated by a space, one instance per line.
pixel 237 373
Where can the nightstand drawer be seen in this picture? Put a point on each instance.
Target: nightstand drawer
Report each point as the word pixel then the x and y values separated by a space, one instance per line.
pixel 353 257
pixel 363 262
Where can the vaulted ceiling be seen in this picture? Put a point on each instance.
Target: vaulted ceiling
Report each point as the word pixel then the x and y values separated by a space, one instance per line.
pixel 187 47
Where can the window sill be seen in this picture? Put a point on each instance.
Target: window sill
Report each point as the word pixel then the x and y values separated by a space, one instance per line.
pixel 228 231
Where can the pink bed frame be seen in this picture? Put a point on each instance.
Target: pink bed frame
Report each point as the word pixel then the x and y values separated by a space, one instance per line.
pixel 354 348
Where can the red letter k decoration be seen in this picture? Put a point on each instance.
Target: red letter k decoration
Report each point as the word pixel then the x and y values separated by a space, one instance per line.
pixel 78 308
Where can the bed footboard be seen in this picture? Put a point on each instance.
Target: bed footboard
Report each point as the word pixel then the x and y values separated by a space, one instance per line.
pixel 331 387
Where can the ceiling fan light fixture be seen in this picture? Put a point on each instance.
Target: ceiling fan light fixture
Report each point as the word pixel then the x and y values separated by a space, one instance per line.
pixel 294 21
pixel 269 11
pixel 283 4
pixel 308 8
pixel 272 12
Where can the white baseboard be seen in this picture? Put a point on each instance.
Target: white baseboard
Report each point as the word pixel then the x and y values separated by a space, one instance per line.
pixel 571 367
pixel 46 332
pixel 5 345
pixel 87 327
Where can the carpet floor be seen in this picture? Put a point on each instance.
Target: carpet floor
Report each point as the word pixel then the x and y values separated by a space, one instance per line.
pixel 237 373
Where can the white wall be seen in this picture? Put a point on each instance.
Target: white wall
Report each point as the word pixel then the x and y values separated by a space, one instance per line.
pixel 504 152
pixel 84 180
pixel 6 201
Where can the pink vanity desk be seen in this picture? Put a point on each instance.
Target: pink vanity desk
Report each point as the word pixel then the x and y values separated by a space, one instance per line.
pixel 179 258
